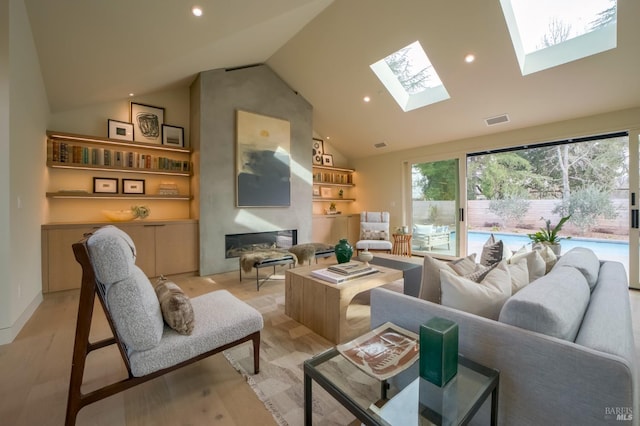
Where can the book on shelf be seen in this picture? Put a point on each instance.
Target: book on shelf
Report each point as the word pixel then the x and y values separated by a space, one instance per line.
pixel 349 268
pixel 333 277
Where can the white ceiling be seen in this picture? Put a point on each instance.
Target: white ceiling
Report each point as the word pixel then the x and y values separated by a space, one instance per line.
pixel 97 51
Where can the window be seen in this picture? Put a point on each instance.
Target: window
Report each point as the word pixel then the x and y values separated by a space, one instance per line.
pixel 410 78
pixel 548 33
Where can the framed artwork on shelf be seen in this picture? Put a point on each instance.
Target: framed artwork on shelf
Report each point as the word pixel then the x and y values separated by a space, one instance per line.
pixel 318 150
pixel 133 186
pixel 263 161
pixel 105 185
pixel 147 123
pixel 172 135
pixel 325 192
pixel 119 130
pixel 316 191
pixel 327 160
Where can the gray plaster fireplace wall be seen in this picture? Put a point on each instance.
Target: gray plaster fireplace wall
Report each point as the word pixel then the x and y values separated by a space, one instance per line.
pixel 215 97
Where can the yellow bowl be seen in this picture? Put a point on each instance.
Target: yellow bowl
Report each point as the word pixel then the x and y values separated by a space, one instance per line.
pixel 119 215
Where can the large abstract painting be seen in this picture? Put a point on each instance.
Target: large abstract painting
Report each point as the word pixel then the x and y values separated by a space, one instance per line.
pixel 263 161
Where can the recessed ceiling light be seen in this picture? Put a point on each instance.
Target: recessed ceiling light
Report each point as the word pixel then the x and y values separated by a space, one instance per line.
pixel 196 10
pixel 470 57
pixel 131 94
pixel 366 99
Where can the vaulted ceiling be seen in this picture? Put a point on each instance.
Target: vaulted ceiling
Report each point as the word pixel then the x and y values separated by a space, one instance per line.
pixel 100 51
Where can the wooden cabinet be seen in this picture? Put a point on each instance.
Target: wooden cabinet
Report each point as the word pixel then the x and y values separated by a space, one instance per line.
pixel 333 184
pixel 330 229
pixel 163 247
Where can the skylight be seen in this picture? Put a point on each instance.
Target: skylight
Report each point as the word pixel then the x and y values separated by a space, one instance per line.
pixel 548 33
pixel 410 78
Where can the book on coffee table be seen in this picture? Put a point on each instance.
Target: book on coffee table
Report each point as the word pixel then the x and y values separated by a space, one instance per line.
pixel 349 268
pixel 336 278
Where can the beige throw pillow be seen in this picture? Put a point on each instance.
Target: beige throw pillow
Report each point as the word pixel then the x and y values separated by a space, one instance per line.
pixel 485 298
pixel 176 307
pixel 430 287
pixel 547 255
pixel 519 275
pixel 535 263
pixel 465 265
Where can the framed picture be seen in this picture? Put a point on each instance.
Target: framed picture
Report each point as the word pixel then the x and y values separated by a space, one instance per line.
pixel 327 160
pixel 172 135
pixel 147 123
pixel 105 185
pixel 133 186
pixel 325 192
pixel 119 130
pixel 316 191
pixel 263 161
pixel 318 150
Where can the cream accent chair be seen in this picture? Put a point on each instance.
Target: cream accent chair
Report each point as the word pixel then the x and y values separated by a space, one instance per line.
pixel 374 232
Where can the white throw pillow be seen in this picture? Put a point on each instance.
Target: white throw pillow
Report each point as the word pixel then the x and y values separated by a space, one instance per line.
pixel 519 275
pixel 535 263
pixel 430 286
pixel 547 254
pixel 484 299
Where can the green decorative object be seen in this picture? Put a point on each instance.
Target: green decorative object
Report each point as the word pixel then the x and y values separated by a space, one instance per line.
pixel 438 350
pixel 344 251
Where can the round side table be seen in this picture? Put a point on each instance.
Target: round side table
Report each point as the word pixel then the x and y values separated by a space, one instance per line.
pixel 401 244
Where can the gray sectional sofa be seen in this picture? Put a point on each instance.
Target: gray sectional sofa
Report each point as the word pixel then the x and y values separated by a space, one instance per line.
pixel 563 344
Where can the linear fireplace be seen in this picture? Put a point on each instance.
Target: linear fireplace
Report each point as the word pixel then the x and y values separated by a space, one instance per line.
pixel 236 244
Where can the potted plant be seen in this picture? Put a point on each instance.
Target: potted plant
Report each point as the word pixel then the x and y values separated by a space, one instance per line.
pixel 332 207
pixel 549 234
pixel 340 193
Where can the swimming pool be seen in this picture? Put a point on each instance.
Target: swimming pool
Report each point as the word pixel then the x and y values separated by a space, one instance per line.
pixel 604 249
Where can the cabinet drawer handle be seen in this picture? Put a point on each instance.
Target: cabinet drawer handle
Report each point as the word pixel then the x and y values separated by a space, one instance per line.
pixel 154 224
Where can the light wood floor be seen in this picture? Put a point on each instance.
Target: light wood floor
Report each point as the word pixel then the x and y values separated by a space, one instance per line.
pixel 34 371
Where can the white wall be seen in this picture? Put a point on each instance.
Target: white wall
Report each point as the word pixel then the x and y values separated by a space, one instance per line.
pixel 29 110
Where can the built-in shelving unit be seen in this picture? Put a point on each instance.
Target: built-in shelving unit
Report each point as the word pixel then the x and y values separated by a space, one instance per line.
pixel 93 153
pixel 328 182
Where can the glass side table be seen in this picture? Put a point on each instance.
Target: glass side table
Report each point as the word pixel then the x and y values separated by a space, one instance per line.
pixel 375 402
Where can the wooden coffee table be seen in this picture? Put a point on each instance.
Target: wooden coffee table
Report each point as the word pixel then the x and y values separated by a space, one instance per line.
pixel 322 306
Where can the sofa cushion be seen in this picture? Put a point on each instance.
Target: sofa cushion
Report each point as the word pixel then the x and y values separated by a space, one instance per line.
pixel 112 254
pixel 484 298
pixel 553 305
pixel 535 264
pixel 547 255
pixel 492 251
pixel 465 265
pixel 135 310
pixel 430 286
pixel 423 229
pixel 176 307
pixel 585 261
pixel 222 319
pixel 519 275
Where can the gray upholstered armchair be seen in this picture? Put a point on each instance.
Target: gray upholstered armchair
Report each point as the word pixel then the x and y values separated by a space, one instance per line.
pixel 150 339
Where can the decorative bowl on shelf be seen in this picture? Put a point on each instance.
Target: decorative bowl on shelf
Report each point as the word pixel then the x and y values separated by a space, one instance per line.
pixel 119 215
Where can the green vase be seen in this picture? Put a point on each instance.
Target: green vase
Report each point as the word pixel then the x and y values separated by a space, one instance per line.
pixel 344 251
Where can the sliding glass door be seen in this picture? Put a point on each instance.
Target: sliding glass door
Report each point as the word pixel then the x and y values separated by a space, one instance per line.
pixel 514 192
pixel 435 207
pixel 634 207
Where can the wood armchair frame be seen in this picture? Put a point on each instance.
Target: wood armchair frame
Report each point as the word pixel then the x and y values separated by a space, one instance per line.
pixel 82 346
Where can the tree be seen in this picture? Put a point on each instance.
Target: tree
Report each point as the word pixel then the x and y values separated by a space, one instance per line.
pixel 606 17
pixel 413 81
pixel 512 208
pixel 498 175
pixel 557 32
pixel 440 179
pixel 586 205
